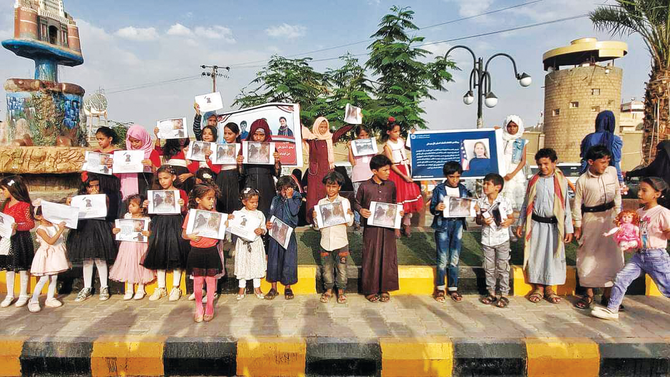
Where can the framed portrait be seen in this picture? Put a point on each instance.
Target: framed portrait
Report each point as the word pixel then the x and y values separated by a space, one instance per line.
pixel 128 161
pixel 164 202
pixel 385 215
pixel 209 102
pixel 364 147
pixel 57 213
pixel 131 229
pixel 331 214
pixel 353 114
pixel 90 206
pixel 197 150
pixel 95 162
pixel 280 231
pixel 459 207
pixel 225 154
pixel 173 128
pixel 258 153
pixel 244 225
pixel 208 224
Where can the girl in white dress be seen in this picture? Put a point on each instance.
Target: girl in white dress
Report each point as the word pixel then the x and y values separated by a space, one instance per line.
pixel 515 160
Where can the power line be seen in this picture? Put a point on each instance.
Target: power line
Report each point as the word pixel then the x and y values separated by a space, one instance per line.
pixel 157 83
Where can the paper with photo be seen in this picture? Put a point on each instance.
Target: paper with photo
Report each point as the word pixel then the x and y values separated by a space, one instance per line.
pixel 209 102
pixel 244 225
pixel 90 206
pixel 95 162
pixel 173 128
pixel 459 207
pixel 208 224
pixel 498 213
pixel 364 147
pixel 385 215
pixel 131 229
pixel 197 150
pixel 164 202
pixel 331 214
pixel 258 153
pixel 280 231
pixel 57 213
pixel 128 161
pixel 225 154
pixel 6 223
pixel 353 114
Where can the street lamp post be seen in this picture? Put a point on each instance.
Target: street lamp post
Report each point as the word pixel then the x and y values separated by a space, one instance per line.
pixel 480 79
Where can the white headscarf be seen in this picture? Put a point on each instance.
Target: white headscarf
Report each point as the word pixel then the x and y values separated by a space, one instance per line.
pixel 516 119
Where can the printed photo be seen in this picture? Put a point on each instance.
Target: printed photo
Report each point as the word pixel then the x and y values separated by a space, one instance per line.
pixel 128 161
pixel 163 202
pixel 476 156
pixel 131 229
pixel 174 128
pixel 243 225
pixel 90 206
pixel 459 207
pixel 206 224
pixel 386 215
pixel 225 154
pixel 280 231
pixel 353 114
pixel 364 147
pixel 258 153
pixel 209 102
pixel 57 213
pixel 197 150
pixel 331 214
pixel 98 163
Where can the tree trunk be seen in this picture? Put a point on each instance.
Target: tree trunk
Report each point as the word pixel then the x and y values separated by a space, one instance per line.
pixel 656 112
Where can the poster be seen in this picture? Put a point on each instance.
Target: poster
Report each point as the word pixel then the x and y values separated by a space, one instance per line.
pixel 478 151
pixel 385 215
pixel 280 231
pixel 209 102
pixel 128 162
pixel 97 163
pixel 197 150
pixel 131 229
pixel 56 213
pixel 90 206
pixel 164 202
pixel 258 153
pixel 225 154
pixel 208 224
pixel 173 128
pixel 284 122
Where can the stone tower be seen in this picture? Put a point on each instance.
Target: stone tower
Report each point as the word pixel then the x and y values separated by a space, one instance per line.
pixel 574 96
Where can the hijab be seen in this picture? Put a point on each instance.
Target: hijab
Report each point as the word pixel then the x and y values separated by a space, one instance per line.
pixel 326 136
pixel 516 119
pixel 262 124
pixel 129 184
pixel 605 125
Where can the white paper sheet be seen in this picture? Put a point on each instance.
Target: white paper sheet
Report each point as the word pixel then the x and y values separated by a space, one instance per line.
pixel 364 147
pixel 244 225
pixel 197 150
pixel 209 102
pixel 164 202
pixel 385 215
pixel 353 114
pixel 225 154
pixel 97 163
pixel 90 206
pixel 128 161
pixel 56 213
pixel 208 224
pixel 173 128
pixel 131 229
pixel 280 231
pixel 258 153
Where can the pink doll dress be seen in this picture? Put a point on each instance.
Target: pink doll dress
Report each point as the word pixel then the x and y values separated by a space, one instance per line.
pixel 626 233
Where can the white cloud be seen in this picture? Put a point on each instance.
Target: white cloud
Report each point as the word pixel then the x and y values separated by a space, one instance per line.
pixel 286 31
pixel 468 8
pixel 138 34
pixel 179 30
pixel 214 32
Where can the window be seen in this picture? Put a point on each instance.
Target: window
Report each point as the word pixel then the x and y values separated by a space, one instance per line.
pixel 574 105
pixel 595 91
pixel 595 109
pixel 53 35
pixel 556 112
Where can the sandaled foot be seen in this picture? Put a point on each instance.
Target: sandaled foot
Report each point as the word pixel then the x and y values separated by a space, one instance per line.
pixel 488 300
pixel 455 296
pixel 385 297
pixel 535 297
pixel 272 293
pixel 341 297
pixel 325 297
pixel 502 302
pixel 440 296
pixel 585 302
pixel 407 230
pixel 372 298
pixel 288 294
pixel 552 297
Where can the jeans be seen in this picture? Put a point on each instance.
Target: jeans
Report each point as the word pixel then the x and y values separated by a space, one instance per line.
pixel 448 242
pixel 654 262
pixel 331 261
pixel 357 215
pixel 496 265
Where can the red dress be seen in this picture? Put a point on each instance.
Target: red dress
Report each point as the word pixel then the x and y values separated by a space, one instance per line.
pixel 407 193
pixel 21 252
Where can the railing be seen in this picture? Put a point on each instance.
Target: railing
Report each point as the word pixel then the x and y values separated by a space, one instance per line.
pixel 47 13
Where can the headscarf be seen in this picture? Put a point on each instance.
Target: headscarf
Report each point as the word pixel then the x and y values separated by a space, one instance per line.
pixel 516 119
pixel 327 136
pixel 606 124
pixel 206 116
pixel 263 124
pixel 129 185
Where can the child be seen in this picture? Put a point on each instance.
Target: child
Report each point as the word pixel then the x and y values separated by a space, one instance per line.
pixel 283 263
pixel 210 119
pixel 495 238
pixel 16 253
pixel 91 242
pixel 127 267
pixel 228 175
pixel 547 219
pixel 138 138
pixel 50 259
pixel 250 263
pixel 448 232
pixel 380 259
pixel 652 258
pixel 408 193
pixel 203 259
pixel 167 250
pixel 174 153
pixel 209 134
pixel 334 242
pixel 258 176
pixel 361 168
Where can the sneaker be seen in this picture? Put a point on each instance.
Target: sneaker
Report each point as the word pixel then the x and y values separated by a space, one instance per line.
pixel 191 297
pixel 53 303
pixel 104 294
pixel 604 313
pixel 34 306
pixel 175 294
pixel 7 301
pixel 139 295
pixel 83 295
pixel 22 301
pixel 158 294
pixel 128 296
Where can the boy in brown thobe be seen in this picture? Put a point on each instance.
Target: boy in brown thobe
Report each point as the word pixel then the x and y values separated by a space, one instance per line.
pixel 379 270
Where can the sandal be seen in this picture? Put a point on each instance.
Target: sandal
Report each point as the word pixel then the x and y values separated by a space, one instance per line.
pixel 552 297
pixel 585 302
pixel 502 302
pixel 488 300
pixel 440 296
pixel 455 296
pixel 385 297
pixel 272 293
pixel 535 297
pixel 325 297
pixel 288 294
pixel 407 230
pixel 372 298
pixel 341 298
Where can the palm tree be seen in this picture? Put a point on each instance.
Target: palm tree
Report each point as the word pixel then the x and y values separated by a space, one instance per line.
pixel 650 19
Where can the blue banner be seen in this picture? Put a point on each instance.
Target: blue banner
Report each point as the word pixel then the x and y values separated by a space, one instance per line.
pixel 478 151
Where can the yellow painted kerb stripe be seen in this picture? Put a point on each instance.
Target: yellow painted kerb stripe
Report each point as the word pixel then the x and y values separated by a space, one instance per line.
pixel 128 356
pixel 10 353
pixel 562 357
pixel 261 357
pixel 417 357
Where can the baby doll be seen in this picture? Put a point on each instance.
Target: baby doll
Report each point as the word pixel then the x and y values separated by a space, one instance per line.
pixel 627 232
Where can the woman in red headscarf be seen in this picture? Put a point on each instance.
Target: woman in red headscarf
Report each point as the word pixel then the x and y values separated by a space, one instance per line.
pixel 261 177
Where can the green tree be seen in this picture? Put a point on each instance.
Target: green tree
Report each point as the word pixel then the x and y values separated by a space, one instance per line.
pixel 651 20
pixel 404 79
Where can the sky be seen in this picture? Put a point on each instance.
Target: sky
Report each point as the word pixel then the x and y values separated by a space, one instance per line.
pixel 130 46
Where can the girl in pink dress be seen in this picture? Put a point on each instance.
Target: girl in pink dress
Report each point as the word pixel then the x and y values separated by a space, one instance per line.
pixel 627 233
pixel 127 267
pixel 361 169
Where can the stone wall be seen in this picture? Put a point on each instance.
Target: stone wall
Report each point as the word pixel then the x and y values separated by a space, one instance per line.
pixel 572 100
pixel 41 160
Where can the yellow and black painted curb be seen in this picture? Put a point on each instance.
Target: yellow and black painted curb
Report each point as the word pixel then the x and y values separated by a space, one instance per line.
pixel 127 355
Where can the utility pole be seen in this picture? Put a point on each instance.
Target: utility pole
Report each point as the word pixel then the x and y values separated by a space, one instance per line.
pixel 214 73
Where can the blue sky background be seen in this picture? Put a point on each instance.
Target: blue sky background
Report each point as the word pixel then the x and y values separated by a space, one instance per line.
pixel 130 43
